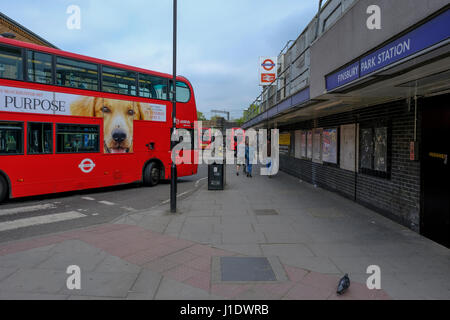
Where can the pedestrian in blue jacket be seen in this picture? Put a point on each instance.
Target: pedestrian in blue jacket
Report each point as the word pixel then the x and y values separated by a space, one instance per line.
pixel 249 155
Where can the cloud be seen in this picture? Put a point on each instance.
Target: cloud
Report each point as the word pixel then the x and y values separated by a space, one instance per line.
pixel 211 68
pixel 219 42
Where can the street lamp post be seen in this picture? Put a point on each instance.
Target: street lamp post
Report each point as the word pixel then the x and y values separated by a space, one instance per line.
pixel 173 180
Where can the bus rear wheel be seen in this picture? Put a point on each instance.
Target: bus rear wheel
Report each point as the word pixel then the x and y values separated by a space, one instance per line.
pixel 3 189
pixel 152 174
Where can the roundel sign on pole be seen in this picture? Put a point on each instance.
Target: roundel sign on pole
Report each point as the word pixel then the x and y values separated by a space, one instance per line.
pixel 268 65
pixel 267 70
pixel 87 165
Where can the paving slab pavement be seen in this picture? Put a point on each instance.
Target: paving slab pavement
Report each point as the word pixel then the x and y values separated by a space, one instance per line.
pixel 316 236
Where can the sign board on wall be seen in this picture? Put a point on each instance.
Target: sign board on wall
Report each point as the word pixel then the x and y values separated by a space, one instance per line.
pixel 430 33
pixel 285 139
pixel 343 76
pixel 267 71
pixel 285 143
pixel 348 147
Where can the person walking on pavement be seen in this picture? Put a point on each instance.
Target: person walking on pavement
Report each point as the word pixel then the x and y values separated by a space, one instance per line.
pixel 235 148
pixel 240 157
pixel 249 154
pixel 269 157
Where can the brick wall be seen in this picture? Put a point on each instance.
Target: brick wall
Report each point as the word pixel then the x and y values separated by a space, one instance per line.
pixel 398 196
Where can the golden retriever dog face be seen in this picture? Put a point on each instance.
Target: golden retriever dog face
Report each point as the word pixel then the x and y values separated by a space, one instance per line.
pixel 118 118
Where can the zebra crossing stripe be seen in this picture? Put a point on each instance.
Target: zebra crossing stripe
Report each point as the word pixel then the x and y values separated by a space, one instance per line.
pixel 108 203
pixel 7 212
pixel 35 221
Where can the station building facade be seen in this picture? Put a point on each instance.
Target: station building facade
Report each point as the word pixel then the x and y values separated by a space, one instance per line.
pixel 366 112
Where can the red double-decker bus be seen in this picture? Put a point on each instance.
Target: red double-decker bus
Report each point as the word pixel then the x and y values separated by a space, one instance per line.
pixel 71 122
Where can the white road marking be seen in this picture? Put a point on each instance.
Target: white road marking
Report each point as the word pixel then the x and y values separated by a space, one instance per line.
pixel 179 195
pixel 35 221
pixel 7 212
pixel 88 198
pixel 129 209
pixel 198 181
pixel 107 203
pixel 182 194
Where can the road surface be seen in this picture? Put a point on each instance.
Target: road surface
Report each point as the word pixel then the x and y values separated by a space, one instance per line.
pixel 34 216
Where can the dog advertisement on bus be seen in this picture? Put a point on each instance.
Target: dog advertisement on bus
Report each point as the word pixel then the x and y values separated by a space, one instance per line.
pixel 118 115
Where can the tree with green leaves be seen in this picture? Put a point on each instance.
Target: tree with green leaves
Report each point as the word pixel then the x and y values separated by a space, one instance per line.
pixel 240 121
pixel 200 116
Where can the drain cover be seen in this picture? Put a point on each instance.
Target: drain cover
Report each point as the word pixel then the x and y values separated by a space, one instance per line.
pixel 242 270
pixel 246 269
pixel 266 212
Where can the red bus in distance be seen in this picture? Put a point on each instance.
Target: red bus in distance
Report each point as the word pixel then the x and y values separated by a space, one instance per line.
pixel 71 122
pixel 206 138
pixel 240 137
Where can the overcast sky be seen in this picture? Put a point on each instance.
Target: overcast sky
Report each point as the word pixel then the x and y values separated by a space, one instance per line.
pixel 219 41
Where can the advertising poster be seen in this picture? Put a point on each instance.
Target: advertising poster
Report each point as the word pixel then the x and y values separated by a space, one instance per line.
pixel 317 145
pixel 285 139
pixel 285 143
pixel 298 145
pixel 118 115
pixel 348 147
pixel 303 144
pixel 310 145
pixel 329 145
pixel 380 153
pixel 366 141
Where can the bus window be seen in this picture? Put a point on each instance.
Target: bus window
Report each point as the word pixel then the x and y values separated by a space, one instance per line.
pixel 183 92
pixel 39 67
pixel 11 138
pixel 119 81
pixel 77 138
pixel 40 138
pixel 152 87
pixel 76 74
pixel 11 64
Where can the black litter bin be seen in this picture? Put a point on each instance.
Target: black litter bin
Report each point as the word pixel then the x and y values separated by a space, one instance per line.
pixel 216 176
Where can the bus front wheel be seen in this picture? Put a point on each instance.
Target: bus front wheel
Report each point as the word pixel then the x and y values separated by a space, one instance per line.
pixel 3 189
pixel 152 174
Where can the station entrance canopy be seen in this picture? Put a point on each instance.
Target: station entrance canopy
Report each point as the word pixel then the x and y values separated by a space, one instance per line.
pixel 413 63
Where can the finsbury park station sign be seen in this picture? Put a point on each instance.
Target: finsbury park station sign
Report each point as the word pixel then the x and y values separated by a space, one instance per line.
pixel 425 36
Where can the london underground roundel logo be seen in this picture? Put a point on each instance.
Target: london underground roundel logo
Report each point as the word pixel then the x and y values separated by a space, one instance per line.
pixel 87 165
pixel 268 64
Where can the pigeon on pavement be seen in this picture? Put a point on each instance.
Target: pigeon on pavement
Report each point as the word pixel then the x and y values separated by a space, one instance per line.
pixel 344 284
